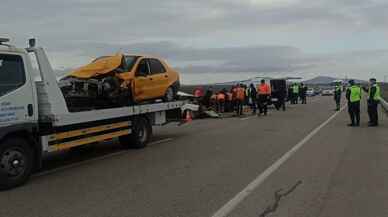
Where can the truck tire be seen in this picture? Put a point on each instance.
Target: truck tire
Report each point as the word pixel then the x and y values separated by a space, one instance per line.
pixel 16 162
pixel 141 134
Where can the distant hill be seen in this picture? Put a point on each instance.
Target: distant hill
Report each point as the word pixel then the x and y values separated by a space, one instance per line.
pixel 321 80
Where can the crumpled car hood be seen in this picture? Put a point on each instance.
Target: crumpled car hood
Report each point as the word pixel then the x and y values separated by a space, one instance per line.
pixel 98 67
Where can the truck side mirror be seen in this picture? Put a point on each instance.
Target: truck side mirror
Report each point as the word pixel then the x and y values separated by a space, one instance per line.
pixel 31 42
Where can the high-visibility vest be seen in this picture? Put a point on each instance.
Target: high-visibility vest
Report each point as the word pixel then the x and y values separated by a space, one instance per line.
pixel 264 89
pixel 221 97
pixel 337 91
pixel 295 89
pixel 355 93
pixel 337 88
pixel 240 93
pixel 377 95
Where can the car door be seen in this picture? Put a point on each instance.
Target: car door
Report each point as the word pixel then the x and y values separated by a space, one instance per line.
pixel 159 77
pixel 143 81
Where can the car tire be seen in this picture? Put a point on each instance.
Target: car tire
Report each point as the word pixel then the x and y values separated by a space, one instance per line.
pixel 170 94
pixel 16 162
pixel 141 134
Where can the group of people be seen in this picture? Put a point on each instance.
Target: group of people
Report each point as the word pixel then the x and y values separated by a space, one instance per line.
pixel 240 95
pixel 297 91
pixel 259 98
pixel 354 96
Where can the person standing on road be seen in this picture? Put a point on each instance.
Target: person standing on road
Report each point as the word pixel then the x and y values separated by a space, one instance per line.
pixel 282 94
pixel 252 94
pixel 338 95
pixel 353 95
pixel 229 101
pixel 234 97
pixel 290 94
pixel 295 93
pixel 240 97
pixel 264 95
pixel 303 93
pixel 208 95
pixel 373 102
pixel 221 101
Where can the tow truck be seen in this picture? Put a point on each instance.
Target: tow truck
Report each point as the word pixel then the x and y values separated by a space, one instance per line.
pixel 35 119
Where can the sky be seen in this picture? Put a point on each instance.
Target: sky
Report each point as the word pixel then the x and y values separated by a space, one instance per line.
pixel 211 40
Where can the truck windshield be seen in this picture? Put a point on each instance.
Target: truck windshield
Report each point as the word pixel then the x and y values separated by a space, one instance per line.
pixel 12 74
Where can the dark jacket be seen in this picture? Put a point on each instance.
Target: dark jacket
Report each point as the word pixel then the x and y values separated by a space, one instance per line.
pixel 373 90
pixel 206 98
pixel 337 93
pixel 302 91
pixel 252 92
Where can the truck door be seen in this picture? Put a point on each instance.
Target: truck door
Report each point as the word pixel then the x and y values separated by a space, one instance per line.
pixel 16 90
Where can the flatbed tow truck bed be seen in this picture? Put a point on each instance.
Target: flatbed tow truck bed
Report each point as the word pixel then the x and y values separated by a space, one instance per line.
pixel 35 119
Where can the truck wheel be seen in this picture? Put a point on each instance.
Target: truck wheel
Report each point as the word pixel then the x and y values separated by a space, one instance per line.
pixel 141 133
pixel 16 162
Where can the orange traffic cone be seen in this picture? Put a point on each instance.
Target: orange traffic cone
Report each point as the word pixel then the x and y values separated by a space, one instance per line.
pixel 189 118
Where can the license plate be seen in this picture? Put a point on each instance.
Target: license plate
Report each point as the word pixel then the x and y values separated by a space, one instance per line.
pixel 274 100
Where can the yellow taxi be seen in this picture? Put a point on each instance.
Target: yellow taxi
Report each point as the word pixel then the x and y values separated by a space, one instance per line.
pixel 146 77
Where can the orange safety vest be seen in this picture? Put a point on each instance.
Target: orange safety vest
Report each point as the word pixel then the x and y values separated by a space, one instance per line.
pixel 234 92
pixel 221 97
pixel 264 89
pixel 240 93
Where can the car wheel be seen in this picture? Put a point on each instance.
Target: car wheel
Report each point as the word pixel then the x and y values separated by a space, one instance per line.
pixel 16 162
pixel 170 95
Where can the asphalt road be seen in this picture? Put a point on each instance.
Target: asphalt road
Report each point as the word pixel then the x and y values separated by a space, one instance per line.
pixel 196 169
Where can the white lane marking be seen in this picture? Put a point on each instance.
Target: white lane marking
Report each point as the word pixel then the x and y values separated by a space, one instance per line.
pixel 161 141
pixel 247 118
pixel 73 165
pixel 236 200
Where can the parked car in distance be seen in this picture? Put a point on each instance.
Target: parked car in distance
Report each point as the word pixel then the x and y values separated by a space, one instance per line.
pixel 327 92
pixel 311 92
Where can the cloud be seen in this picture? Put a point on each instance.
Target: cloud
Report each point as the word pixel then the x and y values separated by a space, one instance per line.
pixel 269 60
pixel 121 20
pixel 197 60
pixel 209 35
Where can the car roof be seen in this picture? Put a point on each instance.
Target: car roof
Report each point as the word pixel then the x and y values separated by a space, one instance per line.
pixel 142 55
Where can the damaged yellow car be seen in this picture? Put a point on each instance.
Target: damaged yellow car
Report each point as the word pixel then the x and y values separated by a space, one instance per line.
pixel 120 80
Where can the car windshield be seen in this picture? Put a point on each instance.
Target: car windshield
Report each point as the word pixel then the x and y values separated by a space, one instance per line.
pixel 130 61
pixel 11 73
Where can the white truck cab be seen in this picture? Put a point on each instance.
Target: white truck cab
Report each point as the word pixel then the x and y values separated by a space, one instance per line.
pixel 35 119
pixel 17 95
